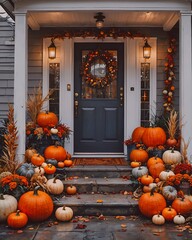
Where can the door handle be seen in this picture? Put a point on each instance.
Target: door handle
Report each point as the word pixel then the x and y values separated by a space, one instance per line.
pixel 121 95
pixel 76 108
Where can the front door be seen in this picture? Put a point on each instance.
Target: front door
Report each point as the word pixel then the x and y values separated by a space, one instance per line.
pixel 99 98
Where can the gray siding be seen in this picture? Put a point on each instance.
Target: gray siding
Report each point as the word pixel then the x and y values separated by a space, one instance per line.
pixel 6 68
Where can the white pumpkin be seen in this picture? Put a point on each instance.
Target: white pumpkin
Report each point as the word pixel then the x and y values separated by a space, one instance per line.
pixel 139 171
pixel 8 204
pixel 165 174
pixel 172 157
pixel 40 170
pixel 179 219
pixel 55 186
pixel 64 214
pixel 54 130
pixel 158 219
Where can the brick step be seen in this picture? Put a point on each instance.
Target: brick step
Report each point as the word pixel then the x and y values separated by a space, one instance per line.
pixel 96 171
pixel 109 204
pixel 101 185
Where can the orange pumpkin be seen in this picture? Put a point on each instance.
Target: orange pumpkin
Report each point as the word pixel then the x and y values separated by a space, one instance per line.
pixel 146 179
pixel 156 169
pixel 154 160
pixel 68 162
pixel 55 152
pixel 68 155
pixel 169 213
pixel 139 155
pixel 37 159
pixel 137 134
pixel 171 142
pixel 37 205
pixel 71 190
pixel 182 206
pixel 151 203
pixel 61 164
pixel 135 164
pixel 50 169
pixel 17 220
pixel 154 136
pixel 45 119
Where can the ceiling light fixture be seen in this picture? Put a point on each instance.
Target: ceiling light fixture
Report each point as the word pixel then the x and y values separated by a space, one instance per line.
pixel 99 20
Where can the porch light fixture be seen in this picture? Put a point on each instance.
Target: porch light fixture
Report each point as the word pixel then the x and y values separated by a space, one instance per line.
pixel 146 50
pixel 99 20
pixel 52 50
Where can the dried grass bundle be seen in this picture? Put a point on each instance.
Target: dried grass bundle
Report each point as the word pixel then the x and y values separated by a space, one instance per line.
pixel 35 103
pixel 184 148
pixel 172 124
pixel 8 159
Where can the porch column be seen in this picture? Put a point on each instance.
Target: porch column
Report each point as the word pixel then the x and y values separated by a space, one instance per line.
pixel 185 78
pixel 20 79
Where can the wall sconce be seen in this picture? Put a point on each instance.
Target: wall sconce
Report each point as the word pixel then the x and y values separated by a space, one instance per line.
pixel 52 50
pixel 146 50
pixel 99 20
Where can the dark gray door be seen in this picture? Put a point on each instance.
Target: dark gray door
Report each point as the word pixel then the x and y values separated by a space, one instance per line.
pixel 98 98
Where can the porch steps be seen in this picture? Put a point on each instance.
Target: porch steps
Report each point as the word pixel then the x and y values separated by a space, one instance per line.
pixel 100 190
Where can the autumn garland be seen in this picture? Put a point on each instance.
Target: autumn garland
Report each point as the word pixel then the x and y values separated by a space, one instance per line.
pixel 169 89
pixel 111 68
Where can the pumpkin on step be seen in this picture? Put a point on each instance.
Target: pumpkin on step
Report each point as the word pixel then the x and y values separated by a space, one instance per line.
pixel 172 157
pixel 37 159
pixel 158 219
pixel 182 206
pixel 139 155
pixel 17 220
pixel 156 169
pixel 71 190
pixel 55 186
pixel 37 204
pixel 139 171
pixel 8 204
pixel 169 192
pixel 169 213
pixel 55 152
pixel 64 214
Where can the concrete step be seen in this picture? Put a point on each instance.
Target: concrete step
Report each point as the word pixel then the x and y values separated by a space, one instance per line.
pixel 96 171
pixel 101 185
pixel 97 204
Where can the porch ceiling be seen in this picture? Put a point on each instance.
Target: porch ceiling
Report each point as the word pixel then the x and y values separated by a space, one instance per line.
pixel 166 20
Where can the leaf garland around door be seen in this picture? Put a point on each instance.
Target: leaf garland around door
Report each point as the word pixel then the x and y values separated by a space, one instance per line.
pixel 109 63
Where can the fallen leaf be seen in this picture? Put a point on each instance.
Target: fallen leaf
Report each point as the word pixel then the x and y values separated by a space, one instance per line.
pixel 81 226
pixel 123 226
pixel 120 217
pixel 101 217
pixel 99 200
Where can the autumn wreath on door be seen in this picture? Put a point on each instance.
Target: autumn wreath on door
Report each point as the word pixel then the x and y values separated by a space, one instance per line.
pixel 99 68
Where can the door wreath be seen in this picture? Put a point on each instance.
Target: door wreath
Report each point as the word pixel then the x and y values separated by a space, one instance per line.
pixel 108 67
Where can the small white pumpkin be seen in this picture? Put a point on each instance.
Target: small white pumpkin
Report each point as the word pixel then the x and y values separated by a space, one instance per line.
pixel 55 186
pixel 8 204
pixel 64 214
pixel 179 219
pixel 54 130
pixel 169 192
pixel 158 219
pixel 40 170
pixel 171 157
pixel 165 174
pixel 139 171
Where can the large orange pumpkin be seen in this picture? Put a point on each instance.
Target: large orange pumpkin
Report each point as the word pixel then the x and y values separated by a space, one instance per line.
pixel 182 206
pixel 45 119
pixel 151 203
pixel 154 160
pixel 37 205
pixel 55 152
pixel 154 136
pixel 156 169
pixel 137 134
pixel 139 155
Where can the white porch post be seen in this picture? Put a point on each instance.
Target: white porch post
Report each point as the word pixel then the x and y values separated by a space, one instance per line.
pixel 185 80
pixel 20 79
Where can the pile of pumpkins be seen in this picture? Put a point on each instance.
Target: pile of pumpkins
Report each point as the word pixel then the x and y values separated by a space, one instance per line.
pixel 158 201
pixel 37 205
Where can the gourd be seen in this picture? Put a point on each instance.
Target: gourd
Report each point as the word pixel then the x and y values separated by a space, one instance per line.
pixel 64 214
pixel 172 157
pixel 151 203
pixel 179 219
pixel 158 219
pixel 137 134
pixel 29 153
pixel 169 213
pixel 17 220
pixel 165 174
pixel 26 169
pixel 169 192
pixel 154 136
pixel 55 186
pixel 71 190
pixel 45 119
pixel 37 204
pixel 139 155
pixel 182 206
pixel 139 171
pixel 55 152
pixel 8 204
pixel 37 159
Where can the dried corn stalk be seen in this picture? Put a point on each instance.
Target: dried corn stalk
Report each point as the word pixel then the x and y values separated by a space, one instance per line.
pixel 172 124
pixel 35 103
pixel 184 150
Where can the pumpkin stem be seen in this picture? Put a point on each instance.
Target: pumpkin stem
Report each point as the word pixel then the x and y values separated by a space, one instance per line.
pixel 55 178
pixel 152 191
pixel 172 150
pixel 1 196
pixel 36 190
pixel 63 207
pixel 17 213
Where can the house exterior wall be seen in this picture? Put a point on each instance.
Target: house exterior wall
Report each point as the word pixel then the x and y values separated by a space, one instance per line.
pixel 6 66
